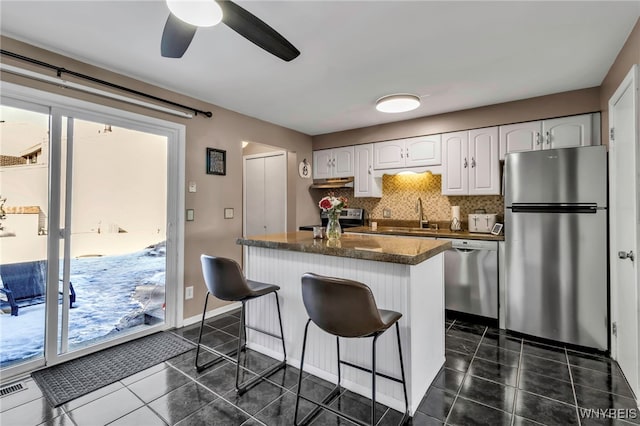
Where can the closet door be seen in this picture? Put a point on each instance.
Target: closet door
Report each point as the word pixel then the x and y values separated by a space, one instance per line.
pixel 265 193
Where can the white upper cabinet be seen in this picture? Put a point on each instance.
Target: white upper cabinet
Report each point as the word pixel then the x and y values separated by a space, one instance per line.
pixel 365 184
pixel 331 163
pixel 455 175
pixel 423 151
pixel 388 155
pixel 471 162
pixel 564 132
pixel 520 137
pixel 322 164
pixel 484 162
pixel 410 152
pixel 567 132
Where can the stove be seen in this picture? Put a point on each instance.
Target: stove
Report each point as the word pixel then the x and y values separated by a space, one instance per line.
pixel 349 218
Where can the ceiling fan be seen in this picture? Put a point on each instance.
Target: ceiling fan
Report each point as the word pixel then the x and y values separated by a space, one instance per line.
pixel 187 15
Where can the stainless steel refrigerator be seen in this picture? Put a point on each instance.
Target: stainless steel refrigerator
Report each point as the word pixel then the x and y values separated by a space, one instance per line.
pixel 556 245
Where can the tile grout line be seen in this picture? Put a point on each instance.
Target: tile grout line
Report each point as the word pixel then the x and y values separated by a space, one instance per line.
pixel 515 394
pixel 210 390
pixel 573 387
pixel 466 374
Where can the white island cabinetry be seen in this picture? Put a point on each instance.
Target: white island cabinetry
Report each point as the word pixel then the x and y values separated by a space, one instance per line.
pixel 405 275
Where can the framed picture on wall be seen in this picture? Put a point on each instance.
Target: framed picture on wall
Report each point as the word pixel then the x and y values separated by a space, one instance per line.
pixel 216 162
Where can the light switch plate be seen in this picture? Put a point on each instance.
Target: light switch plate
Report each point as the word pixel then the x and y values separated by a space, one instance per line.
pixel 190 215
pixel 386 213
pixel 192 187
pixel 228 213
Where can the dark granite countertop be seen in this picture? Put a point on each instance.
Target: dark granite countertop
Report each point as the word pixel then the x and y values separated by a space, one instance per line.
pixel 419 232
pixel 407 251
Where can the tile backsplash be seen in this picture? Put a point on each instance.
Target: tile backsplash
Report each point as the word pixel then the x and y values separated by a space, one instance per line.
pixel 400 193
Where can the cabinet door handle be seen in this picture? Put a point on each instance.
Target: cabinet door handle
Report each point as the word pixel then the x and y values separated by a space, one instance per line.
pixel 537 138
pixel 548 138
pixel 369 169
pixel 466 164
pixel 407 152
pixel 473 162
pixel 401 153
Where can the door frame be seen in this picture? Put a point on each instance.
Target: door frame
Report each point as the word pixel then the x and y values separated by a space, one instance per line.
pixel 58 105
pixel 630 79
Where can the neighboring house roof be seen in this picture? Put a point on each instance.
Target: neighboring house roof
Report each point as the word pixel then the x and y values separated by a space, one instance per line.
pixel 32 150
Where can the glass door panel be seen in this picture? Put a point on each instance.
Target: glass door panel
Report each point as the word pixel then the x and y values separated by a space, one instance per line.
pixel 113 264
pixel 24 204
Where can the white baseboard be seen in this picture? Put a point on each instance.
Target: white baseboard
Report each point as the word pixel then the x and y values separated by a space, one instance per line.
pixel 210 314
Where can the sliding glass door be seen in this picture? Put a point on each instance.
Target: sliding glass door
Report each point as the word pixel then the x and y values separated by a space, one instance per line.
pixel 114 216
pixel 24 208
pixel 92 267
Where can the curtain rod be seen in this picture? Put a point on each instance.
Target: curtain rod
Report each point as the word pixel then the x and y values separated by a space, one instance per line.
pixel 61 70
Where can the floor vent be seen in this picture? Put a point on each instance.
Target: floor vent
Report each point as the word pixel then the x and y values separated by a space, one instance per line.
pixel 7 390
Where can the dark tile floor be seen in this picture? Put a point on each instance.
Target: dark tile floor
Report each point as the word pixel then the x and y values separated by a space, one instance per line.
pixel 489 378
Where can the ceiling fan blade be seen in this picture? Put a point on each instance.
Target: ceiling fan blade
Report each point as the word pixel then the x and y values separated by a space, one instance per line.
pixel 176 37
pixel 256 31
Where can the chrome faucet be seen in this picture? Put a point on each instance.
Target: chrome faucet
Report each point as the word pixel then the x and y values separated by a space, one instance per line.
pixel 421 222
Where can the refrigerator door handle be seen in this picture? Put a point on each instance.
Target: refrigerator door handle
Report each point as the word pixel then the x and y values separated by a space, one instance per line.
pixel 554 208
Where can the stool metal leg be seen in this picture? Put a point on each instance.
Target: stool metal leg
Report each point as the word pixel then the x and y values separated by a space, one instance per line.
pixel 241 388
pixel 284 350
pixel 221 356
pixel 406 416
pixel 373 380
pixel 338 348
pixel 242 331
pixel 324 404
pixel 204 312
pixel 304 348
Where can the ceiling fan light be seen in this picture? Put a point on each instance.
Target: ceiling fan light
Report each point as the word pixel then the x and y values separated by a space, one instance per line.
pixel 397 103
pixel 201 13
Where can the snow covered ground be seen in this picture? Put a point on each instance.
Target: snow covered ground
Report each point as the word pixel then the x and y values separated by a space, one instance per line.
pixel 112 295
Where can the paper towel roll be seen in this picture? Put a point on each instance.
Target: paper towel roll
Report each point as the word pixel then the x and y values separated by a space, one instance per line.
pixel 455 212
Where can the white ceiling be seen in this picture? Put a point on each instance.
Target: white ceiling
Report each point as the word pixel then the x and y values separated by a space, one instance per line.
pixel 457 55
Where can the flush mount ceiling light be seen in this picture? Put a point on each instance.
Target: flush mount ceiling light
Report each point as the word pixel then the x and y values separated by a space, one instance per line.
pixel 402 102
pixel 201 13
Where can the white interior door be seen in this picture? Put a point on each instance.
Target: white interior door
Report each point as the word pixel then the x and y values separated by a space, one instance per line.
pixel 623 157
pixel 265 193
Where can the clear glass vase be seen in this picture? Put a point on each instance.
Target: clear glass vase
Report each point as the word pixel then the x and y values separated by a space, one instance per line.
pixel 334 231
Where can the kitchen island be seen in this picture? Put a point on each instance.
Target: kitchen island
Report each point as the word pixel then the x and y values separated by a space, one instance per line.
pixel 404 274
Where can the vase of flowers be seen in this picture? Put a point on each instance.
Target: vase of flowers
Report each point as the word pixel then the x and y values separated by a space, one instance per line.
pixel 333 206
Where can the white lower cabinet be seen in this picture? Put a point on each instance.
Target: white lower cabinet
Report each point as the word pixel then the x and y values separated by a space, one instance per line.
pixel 365 184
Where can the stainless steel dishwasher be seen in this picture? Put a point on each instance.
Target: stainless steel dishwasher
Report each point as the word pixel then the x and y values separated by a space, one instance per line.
pixel 471 277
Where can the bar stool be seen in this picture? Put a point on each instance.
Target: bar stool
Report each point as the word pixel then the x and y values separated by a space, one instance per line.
pixel 225 280
pixel 346 308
